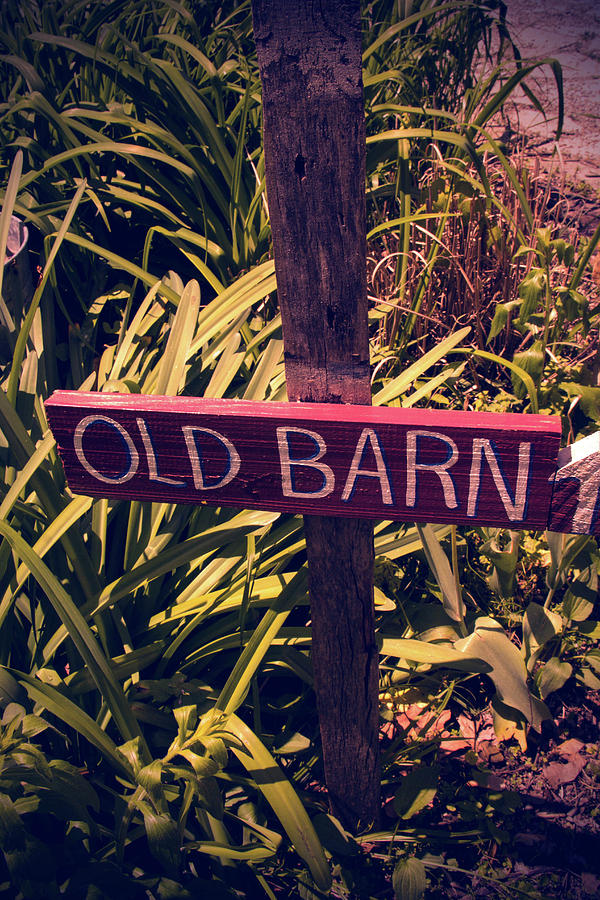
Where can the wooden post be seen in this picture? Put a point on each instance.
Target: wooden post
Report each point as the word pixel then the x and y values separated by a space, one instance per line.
pixel 309 57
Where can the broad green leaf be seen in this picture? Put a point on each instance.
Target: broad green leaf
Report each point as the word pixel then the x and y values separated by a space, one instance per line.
pixel 416 790
pixel 432 654
pixel 490 643
pixel 509 723
pixel 540 625
pixel 163 839
pixel 501 318
pixel 580 598
pixel 530 361
pixel 592 658
pixel 587 677
pixel 334 837
pixel 590 628
pixel 409 880
pixel 149 777
pixel 504 561
pixel 552 676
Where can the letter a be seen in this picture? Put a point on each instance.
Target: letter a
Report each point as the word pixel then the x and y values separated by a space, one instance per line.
pixel 382 473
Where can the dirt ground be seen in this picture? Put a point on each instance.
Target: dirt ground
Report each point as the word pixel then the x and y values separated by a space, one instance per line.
pixel 568 30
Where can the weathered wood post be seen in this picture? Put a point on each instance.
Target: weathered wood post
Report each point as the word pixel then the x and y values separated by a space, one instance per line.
pixel 309 57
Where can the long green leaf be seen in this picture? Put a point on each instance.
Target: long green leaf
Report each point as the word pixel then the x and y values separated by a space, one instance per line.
pixel 20 482
pixel 73 716
pixel 244 670
pixel 80 634
pixel 172 367
pixel 71 514
pixel 401 384
pixel 440 567
pixel 523 375
pixel 283 799
pixel 19 351
pixel 10 195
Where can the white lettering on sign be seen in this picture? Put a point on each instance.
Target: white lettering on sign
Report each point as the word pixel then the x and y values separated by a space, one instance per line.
pixel 233 458
pixel 130 448
pixel 151 457
pixel 439 468
pixel 370 436
pixel 322 459
pixel 515 509
pixel 287 464
pixel 311 470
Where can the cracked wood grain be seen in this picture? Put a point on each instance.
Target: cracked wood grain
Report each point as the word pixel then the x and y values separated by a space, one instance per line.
pixel 309 56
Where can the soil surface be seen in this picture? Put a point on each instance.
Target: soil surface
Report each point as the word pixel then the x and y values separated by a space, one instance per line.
pixel 569 32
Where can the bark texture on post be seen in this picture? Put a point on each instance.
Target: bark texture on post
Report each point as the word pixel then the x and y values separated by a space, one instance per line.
pixel 309 56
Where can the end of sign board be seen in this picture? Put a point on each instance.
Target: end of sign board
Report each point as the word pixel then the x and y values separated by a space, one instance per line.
pixel 575 505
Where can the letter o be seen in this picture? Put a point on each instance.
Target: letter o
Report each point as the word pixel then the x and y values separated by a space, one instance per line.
pixel 123 434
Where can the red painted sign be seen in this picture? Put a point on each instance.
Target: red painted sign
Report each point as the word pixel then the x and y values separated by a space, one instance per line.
pixel 314 459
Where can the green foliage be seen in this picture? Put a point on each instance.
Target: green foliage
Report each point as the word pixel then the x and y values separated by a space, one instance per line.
pixel 159 730
pixel 409 879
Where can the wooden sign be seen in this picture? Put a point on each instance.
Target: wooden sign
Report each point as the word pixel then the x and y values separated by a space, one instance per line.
pixel 322 459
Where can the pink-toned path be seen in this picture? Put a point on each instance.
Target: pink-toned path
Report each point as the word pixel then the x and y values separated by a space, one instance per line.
pixel 568 30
